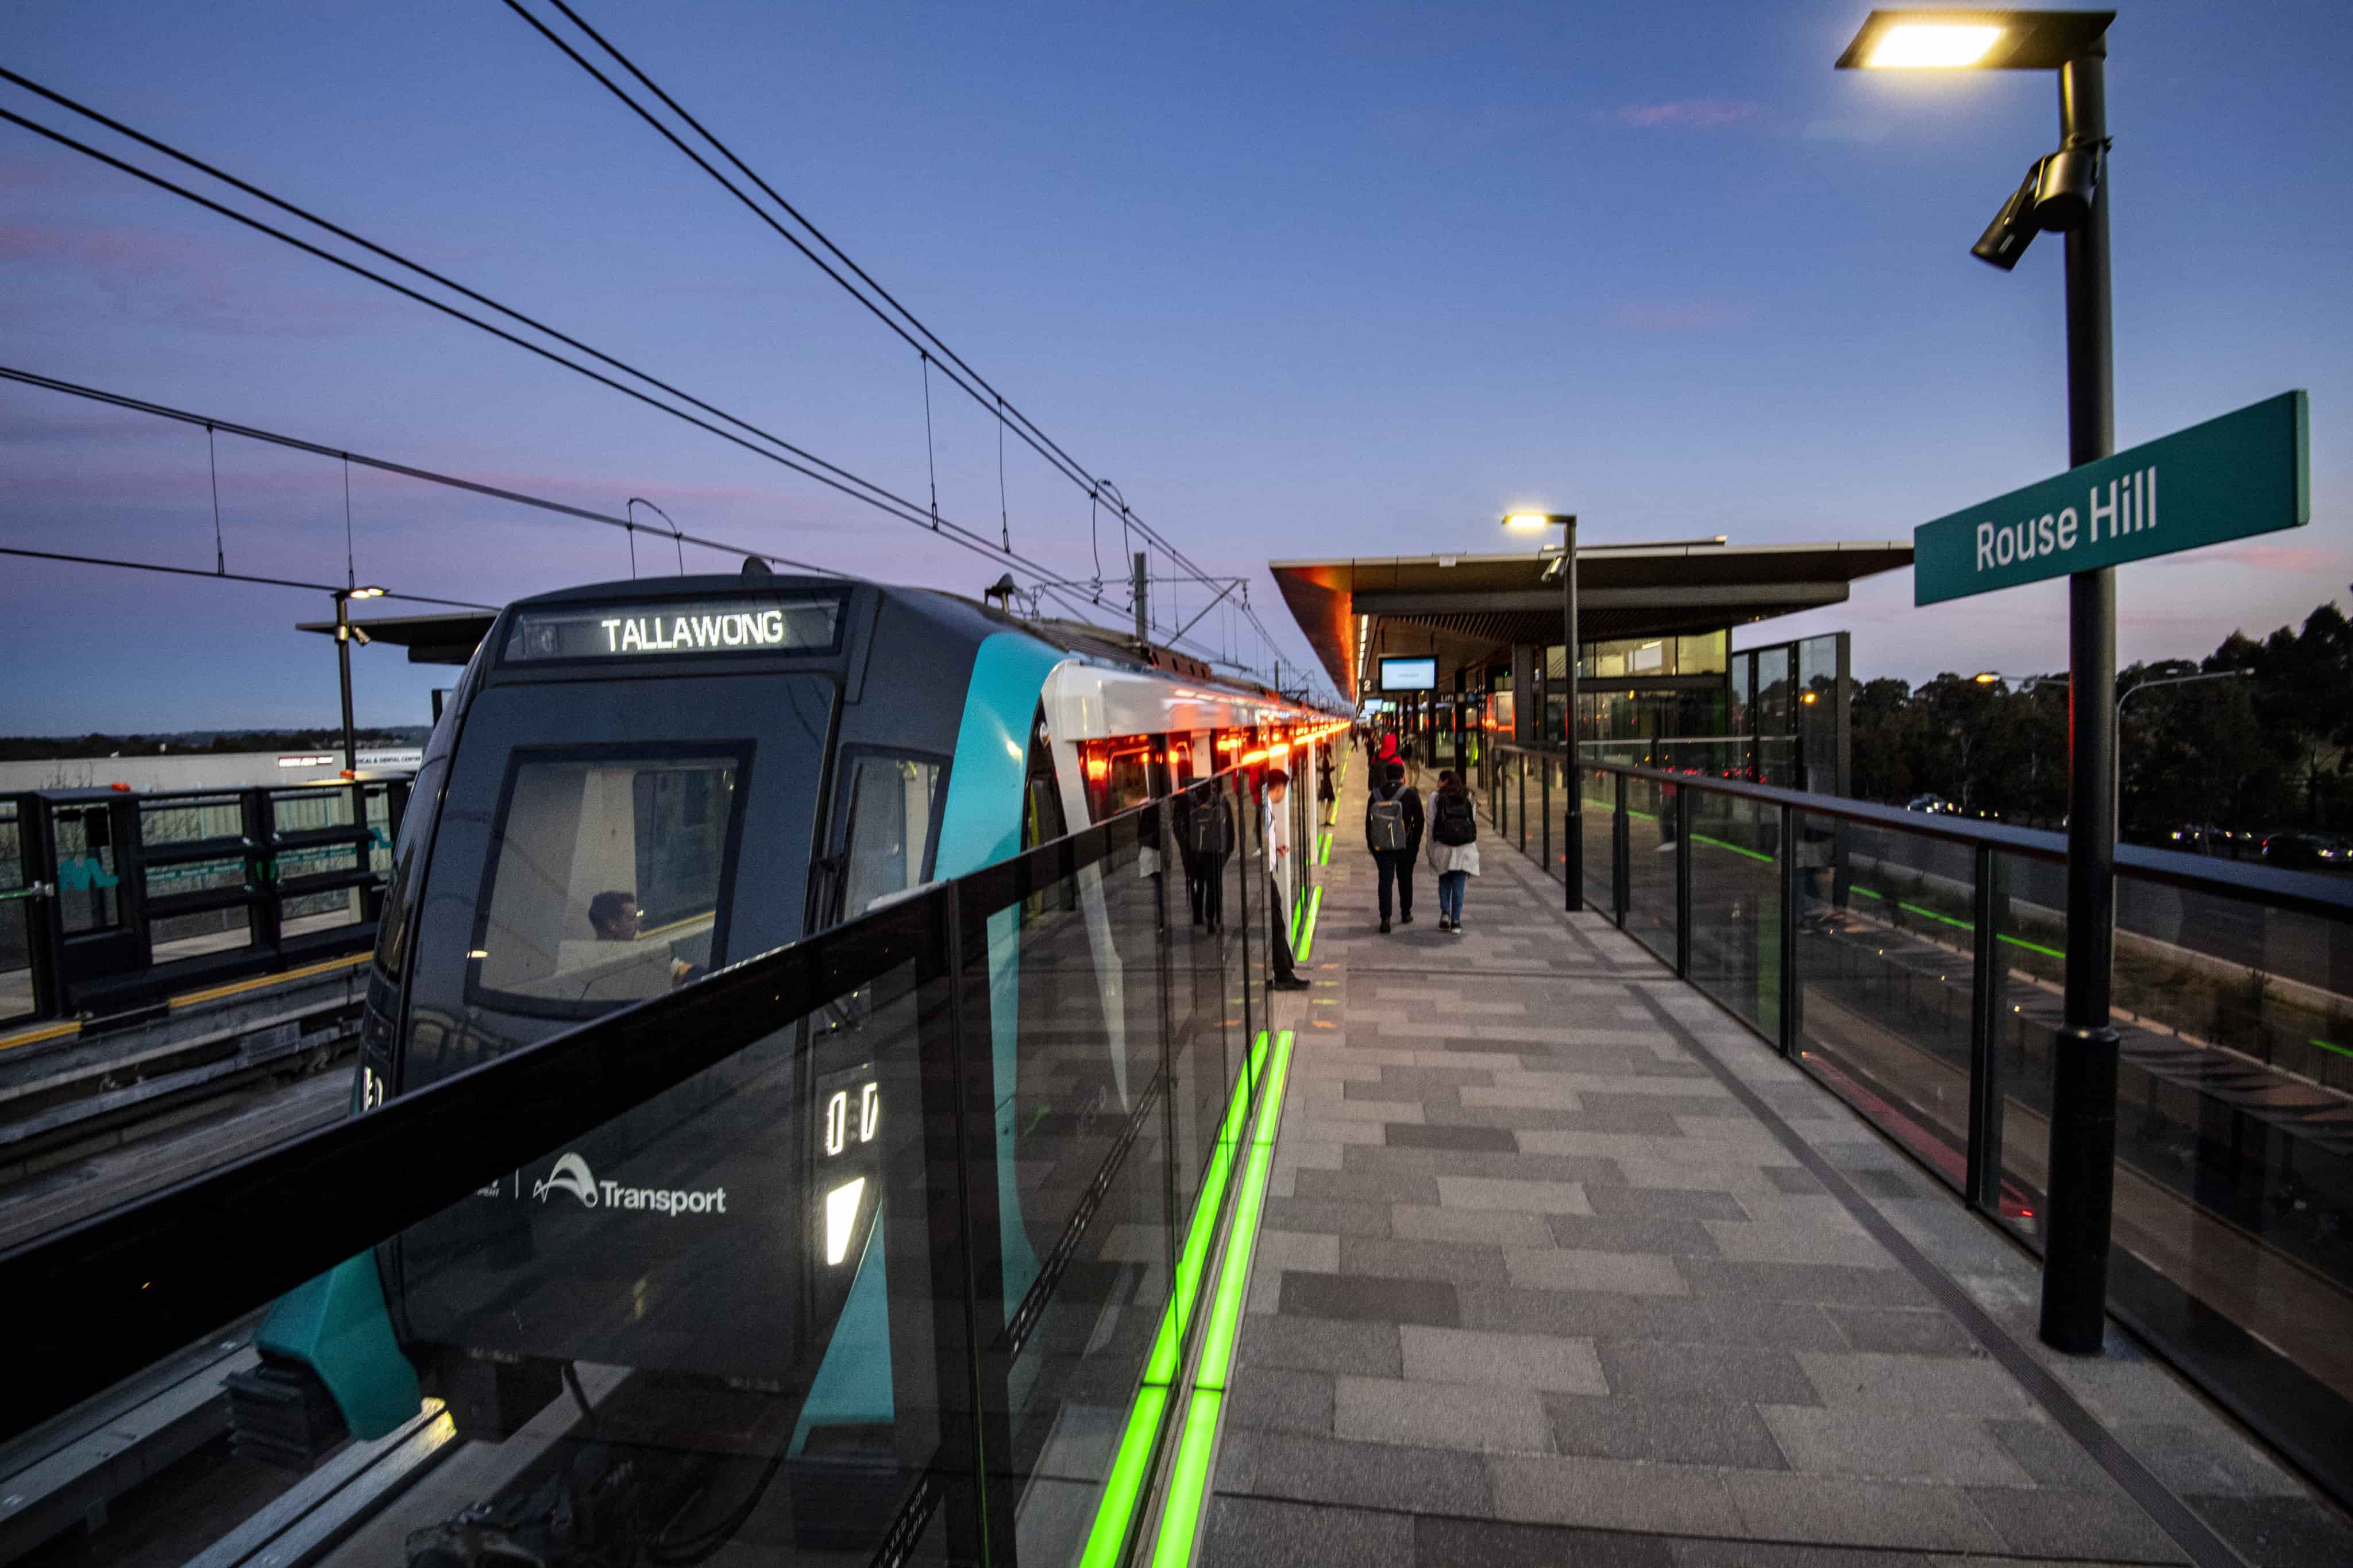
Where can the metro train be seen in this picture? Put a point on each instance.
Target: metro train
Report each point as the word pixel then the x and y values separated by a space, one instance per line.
pixel 632 785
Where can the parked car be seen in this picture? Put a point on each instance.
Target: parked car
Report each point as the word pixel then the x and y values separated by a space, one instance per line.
pixel 2309 851
pixel 1935 805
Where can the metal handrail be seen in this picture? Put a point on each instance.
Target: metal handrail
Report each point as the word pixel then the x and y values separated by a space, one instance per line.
pixel 2302 893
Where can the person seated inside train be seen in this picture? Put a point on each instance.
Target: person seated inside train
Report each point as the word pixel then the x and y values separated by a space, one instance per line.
pixel 613 916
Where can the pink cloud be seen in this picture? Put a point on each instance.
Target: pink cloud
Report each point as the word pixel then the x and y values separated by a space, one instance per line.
pixel 2277 557
pixel 1697 113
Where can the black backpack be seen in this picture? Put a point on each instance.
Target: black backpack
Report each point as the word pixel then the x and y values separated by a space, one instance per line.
pixel 1211 829
pixel 1454 822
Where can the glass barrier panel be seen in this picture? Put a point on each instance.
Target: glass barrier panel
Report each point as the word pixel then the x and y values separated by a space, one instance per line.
pixel 17 998
pixel 308 810
pixel 1205 972
pixel 381 827
pixel 182 819
pixel 1885 952
pixel 174 937
pixel 1079 1165
pixel 1735 907
pixel 2233 1184
pixel 1650 866
pixel 302 913
pixel 720 1327
pixel 1600 791
pixel 90 876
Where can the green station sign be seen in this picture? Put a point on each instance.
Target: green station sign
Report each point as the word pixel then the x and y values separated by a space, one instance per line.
pixel 2246 473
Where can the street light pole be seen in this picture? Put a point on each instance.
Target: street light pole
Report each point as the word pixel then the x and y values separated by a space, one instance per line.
pixel 2140 687
pixel 1573 815
pixel 344 671
pixel 2082 1156
pixel 1573 822
pixel 2067 191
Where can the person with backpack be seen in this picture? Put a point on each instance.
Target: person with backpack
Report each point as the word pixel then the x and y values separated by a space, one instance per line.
pixel 1393 825
pixel 1453 846
pixel 1205 826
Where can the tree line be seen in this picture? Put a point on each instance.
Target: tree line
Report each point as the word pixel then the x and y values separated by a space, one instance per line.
pixel 2270 752
pixel 46 748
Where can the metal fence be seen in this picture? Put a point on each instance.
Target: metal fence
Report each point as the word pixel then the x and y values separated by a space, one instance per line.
pixel 976 1146
pixel 111 900
pixel 1914 964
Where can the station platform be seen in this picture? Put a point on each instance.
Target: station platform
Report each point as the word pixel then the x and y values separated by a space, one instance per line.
pixel 1560 1263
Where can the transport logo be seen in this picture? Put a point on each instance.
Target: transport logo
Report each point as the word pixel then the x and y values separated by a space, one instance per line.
pixel 571 1174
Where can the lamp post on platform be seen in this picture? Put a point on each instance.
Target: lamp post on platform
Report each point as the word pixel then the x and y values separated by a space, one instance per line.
pixel 345 633
pixel 2062 192
pixel 1573 818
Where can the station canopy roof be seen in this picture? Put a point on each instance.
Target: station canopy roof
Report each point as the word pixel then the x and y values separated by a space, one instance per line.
pixel 1470 605
pixel 447 639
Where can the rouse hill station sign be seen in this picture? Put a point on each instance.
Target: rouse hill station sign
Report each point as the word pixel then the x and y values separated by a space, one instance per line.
pixel 2246 473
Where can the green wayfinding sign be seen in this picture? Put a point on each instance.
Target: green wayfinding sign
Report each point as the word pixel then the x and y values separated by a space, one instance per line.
pixel 2246 473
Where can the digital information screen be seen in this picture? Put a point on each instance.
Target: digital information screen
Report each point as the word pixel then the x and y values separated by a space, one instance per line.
pixel 764 623
pixel 1408 674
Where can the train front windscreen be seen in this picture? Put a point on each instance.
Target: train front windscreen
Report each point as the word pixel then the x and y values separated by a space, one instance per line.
pixel 612 830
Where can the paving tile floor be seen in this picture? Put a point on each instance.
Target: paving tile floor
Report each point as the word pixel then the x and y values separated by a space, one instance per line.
pixel 1537 1284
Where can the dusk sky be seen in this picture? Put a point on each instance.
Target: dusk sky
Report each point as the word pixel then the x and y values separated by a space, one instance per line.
pixel 1304 279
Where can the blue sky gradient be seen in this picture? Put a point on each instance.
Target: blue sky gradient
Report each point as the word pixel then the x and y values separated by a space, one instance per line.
pixel 1306 280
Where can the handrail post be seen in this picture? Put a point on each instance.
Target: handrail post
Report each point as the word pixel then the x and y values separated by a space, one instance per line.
pixel 1520 807
pixel 1985 991
pixel 1621 859
pixel 1682 809
pixel 1787 1037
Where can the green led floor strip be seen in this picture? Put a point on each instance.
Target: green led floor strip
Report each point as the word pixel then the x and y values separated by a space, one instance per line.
pixel 2330 1046
pixel 1189 1481
pixel 1323 856
pixel 1963 925
pixel 1737 849
pixel 1307 943
pixel 1123 1487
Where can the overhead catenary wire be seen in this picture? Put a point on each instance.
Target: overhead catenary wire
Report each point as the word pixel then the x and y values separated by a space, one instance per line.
pixel 897 317
pixel 786 454
pixel 328 588
pixel 385 465
pixel 790 456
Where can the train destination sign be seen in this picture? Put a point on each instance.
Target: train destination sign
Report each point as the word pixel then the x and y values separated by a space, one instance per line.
pixel 2246 473
pixel 767 623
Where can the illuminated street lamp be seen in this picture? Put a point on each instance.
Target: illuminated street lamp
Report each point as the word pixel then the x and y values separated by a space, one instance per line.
pixel 346 634
pixel 1573 822
pixel 2062 192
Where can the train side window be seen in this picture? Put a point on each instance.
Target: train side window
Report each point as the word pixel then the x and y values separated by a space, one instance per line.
pixel 607 879
pixel 891 813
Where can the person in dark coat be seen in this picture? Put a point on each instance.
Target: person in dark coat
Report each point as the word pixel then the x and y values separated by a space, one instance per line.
pixel 1393 825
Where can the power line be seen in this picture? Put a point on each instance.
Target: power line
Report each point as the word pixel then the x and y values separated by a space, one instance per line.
pixel 328 588
pixel 800 461
pixel 797 460
pixel 212 422
pixel 913 331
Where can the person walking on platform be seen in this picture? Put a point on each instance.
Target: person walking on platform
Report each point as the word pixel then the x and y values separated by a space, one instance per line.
pixel 1453 846
pixel 1393 833
pixel 1274 839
